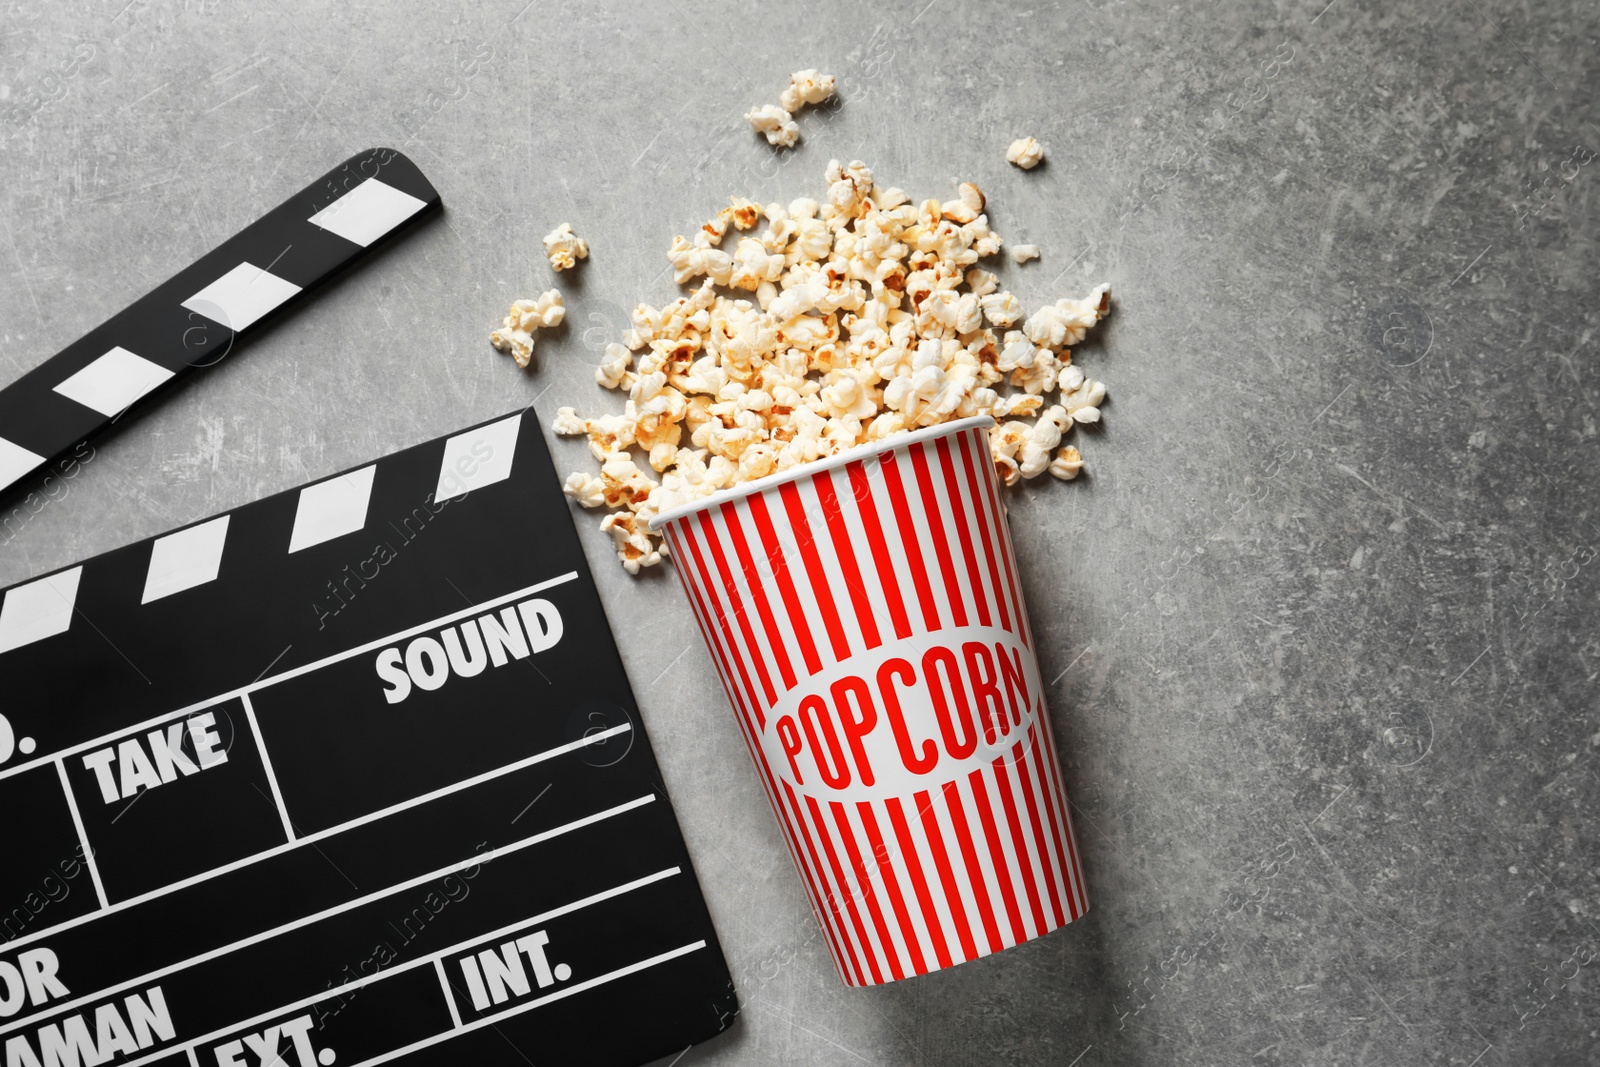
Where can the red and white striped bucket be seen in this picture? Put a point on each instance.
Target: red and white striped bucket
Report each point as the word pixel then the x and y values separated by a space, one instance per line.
pixel 866 616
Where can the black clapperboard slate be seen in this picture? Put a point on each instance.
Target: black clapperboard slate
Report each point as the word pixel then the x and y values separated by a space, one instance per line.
pixel 347 776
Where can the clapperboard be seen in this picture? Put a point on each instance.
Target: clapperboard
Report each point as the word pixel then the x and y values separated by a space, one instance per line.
pixel 351 775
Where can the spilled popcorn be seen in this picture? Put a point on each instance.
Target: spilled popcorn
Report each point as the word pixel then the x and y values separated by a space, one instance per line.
pixel 841 322
pixel 807 87
pixel 564 248
pixel 776 122
pixel 516 332
pixel 1025 152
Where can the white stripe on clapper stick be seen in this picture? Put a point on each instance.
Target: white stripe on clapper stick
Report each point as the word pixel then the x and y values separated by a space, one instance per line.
pixel 367 212
pixel 16 462
pixel 332 508
pixel 112 382
pixel 38 609
pixel 180 561
pixel 241 296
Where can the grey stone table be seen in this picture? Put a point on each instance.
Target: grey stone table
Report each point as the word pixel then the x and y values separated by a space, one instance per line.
pixel 1321 618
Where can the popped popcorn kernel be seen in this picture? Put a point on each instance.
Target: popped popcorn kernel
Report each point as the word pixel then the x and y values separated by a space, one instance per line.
pixel 515 335
pixel 635 547
pixel 613 371
pixel 744 213
pixel 1067 464
pixel 833 322
pixel 586 489
pixel 807 87
pixel 1022 253
pixel 564 248
pixel 775 123
pixel 1025 152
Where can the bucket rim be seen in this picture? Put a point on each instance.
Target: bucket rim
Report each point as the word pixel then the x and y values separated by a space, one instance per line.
pixel 805 470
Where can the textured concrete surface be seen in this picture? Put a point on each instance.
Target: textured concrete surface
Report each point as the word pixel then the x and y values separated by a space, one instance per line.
pixel 1322 618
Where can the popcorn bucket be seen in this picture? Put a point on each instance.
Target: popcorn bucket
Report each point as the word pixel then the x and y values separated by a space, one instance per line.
pixel 866 617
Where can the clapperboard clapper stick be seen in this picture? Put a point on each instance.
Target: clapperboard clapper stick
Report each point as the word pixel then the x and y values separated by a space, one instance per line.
pixel 198 315
pixel 348 776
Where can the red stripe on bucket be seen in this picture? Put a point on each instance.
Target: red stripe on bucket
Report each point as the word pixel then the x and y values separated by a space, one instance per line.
pixel 892 475
pixel 941 542
pixel 869 895
pixel 839 880
pixel 947 877
pixel 891 886
pixel 780 570
pixel 832 898
pixel 722 620
pixel 736 604
pixel 991 550
pixel 919 880
pixel 1003 537
pixel 997 854
pixel 883 563
pixel 963 530
pixel 1041 843
pixel 1019 842
pixel 969 853
pixel 769 622
pixel 845 555
pixel 796 511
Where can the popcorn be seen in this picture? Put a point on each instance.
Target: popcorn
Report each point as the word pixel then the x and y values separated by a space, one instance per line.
pixel 1001 309
pixel 966 207
pixel 564 248
pixel 1022 253
pixel 806 87
pixel 1066 321
pixel 693 260
pixel 586 489
pixel 613 370
pixel 1025 153
pixel 516 333
pixel 1067 464
pixel 568 424
pixel 1033 457
pixel 1083 403
pixel 775 123
pixel 633 540
pixel 833 322
pixel 742 213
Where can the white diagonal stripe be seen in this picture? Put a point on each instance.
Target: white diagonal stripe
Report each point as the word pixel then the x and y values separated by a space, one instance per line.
pixel 185 559
pixel 367 212
pixel 332 508
pixel 241 296
pixel 477 458
pixel 15 462
pixel 38 609
pixel 113 381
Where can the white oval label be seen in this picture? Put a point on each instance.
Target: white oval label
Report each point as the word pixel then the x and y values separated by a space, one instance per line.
pixel 906 716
